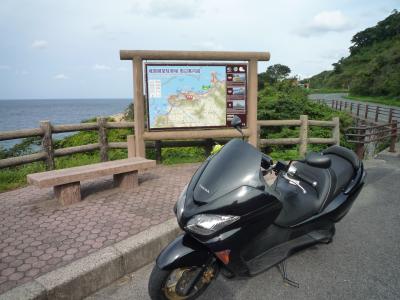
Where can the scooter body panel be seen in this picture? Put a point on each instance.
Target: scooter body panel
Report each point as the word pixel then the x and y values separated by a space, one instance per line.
pixel 184 251
pixel 254 242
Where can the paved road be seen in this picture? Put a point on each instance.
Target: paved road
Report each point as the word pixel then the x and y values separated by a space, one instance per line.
pixel 371 113
pixel 363 262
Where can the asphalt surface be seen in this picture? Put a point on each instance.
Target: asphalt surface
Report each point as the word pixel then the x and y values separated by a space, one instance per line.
pixel 362 262
pixel 340 96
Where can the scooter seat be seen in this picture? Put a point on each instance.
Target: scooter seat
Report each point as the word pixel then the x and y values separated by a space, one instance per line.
pixel 345 153
pixel 331 181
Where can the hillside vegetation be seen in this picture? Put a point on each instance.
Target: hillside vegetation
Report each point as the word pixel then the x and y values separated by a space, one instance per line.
pixel 373 66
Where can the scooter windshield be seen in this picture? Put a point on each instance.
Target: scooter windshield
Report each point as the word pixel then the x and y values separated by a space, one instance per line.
pixel 237 164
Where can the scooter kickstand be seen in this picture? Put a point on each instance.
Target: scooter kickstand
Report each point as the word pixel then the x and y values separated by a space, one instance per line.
pixel 282 269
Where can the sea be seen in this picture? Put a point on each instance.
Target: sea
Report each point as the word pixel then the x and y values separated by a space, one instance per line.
pixel 22 114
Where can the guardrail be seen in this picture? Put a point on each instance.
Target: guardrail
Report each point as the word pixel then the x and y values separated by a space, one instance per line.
pixel 363 135
pixel 365 111
pixel 48 153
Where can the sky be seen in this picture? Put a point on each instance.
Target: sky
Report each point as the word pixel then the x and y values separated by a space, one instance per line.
pixel 53 49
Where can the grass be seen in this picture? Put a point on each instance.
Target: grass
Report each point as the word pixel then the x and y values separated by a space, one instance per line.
pixel 377 99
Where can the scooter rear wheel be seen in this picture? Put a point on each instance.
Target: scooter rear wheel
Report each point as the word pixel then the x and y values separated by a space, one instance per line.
pixel 164 284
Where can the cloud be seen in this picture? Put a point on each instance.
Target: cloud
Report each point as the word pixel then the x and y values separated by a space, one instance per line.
pixel 98 67
pixel 327 21
pixel 208 45
pixel 39 44
pixel 22 72
pixel 174 9
pixel 5 67
pixel 122 69
pixel 60 77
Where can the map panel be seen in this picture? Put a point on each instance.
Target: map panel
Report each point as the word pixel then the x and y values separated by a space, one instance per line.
pixel 186 95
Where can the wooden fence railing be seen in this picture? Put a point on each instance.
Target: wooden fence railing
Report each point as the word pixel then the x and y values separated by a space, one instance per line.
pixel 48 153
pixel 375 113
pixel 303 140
pixel 363 135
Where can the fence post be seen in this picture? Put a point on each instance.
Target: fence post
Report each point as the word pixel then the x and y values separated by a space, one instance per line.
pixel 208 146
pixel 351 107
pixel 131 145
pixel 366 112
pixel 333 103
pixel 341 103
pixel 390 115
pixel 345 105
pixel 303 135
pixel 103 143
pixel 336 105
pixel 393 137
pixel 258 137
pixel 360 148
pixel 157 147
pixel 47 144
pixel 358 109
pixel 376 114
pixel 336 130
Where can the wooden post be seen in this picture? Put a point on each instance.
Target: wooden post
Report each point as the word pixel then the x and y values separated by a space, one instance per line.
pixel 341 103
pixel 252 102
pixel 360 147
pixel 131 145
pixel 208 147
pixel 358 109
pixel 47 144
pixel 390 115
pixel 376 114
pixel 157 147
pixel 336 130
pixel 366 112
pixel 336 106
pixel 351 107
pixel 138 106
pixel 345 105
pixel 393 137
pixel 258 137
pixel 303 135
pixel 333 103
pixel 101 122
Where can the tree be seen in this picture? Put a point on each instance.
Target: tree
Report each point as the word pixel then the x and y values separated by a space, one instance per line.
pixel 273 74
pixel 277 72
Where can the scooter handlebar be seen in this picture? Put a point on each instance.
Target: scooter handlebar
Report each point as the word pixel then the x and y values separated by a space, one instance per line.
pixel 266 161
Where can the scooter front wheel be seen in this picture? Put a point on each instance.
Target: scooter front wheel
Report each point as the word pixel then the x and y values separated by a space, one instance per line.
pixel 172 284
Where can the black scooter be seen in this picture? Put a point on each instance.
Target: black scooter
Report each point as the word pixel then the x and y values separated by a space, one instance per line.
pixel 234 222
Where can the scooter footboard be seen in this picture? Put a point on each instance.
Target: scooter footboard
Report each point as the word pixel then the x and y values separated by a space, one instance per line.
pixel 184 251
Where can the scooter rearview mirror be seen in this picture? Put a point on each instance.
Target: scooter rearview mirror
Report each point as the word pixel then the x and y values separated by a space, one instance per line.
pixel 237 124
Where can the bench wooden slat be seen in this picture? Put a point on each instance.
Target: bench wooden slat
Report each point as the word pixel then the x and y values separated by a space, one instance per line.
pixel 64 176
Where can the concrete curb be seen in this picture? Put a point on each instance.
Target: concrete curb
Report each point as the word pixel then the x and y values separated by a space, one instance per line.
pixel 89 274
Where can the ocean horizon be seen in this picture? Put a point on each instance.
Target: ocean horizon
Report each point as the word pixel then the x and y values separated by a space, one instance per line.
pixel 27 113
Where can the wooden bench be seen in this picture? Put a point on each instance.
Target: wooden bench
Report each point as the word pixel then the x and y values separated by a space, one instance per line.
pixel 66 182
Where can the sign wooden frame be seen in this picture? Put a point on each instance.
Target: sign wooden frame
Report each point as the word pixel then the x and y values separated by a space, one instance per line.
pixel 138 56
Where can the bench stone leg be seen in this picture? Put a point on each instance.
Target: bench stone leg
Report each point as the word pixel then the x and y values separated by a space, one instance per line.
pixel 68 193
pixel 127 180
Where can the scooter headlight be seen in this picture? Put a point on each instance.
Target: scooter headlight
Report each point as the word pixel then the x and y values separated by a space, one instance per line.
pixel 208 224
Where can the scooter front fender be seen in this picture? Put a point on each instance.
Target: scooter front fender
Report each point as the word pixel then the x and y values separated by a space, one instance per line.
pixel 184 251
